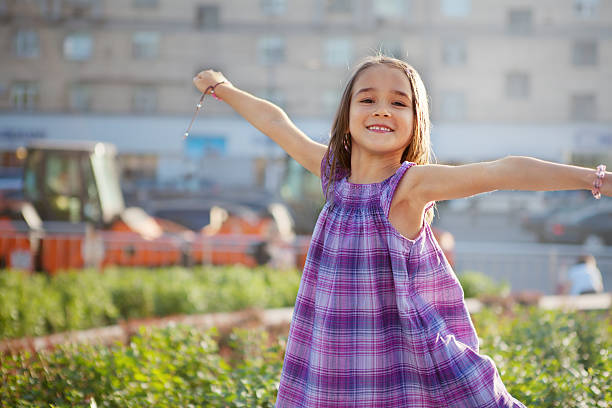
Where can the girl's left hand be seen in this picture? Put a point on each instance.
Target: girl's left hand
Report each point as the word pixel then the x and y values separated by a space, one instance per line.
pixel 208 78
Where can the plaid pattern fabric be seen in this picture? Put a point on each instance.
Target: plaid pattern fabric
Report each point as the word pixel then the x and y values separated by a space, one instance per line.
pixel 379 319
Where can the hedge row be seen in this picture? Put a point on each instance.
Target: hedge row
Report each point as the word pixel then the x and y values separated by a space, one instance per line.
pixel 172 367
pixel 35 305
pixel 546 359
pixel 552 358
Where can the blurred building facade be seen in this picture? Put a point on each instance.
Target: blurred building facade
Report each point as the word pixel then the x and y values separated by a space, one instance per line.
pixel 504 77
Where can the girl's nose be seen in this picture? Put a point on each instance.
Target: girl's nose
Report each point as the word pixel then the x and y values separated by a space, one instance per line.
pixel 382 112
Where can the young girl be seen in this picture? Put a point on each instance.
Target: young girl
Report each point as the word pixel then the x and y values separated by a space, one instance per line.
pixel 379 319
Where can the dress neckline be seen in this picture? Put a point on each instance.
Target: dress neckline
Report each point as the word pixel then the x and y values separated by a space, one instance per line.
pixel 378 183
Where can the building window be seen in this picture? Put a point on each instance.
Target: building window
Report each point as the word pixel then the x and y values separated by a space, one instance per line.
pixel 145 44
pixel 145 3
pixel 453 106
pixel 273 7
pixel 78 46
pixel 583 107
pixel 454 52
pixel 517 85
pixel 520 21
pixel 271 50
pixel 338 52
pixel 24 95
pixel 456 8
pixel 207 17
pixel 80 98
pixel 26 44
pixel 144 99
pixel 390 9
pixel 339 6
pixel 585 53
pixel 586 8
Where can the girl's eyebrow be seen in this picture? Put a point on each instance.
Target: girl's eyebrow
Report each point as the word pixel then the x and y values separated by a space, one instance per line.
pixel 395 91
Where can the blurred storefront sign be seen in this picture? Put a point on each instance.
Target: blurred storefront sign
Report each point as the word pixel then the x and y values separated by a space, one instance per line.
pixel 12 138
pixel 199 146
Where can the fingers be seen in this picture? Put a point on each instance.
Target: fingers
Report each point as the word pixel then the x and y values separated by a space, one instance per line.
pixel 202 79
pixel 201 74
pixel 207 79
pixel 208 73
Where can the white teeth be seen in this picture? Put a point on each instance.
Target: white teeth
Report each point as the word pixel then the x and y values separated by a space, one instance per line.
pixel 379 128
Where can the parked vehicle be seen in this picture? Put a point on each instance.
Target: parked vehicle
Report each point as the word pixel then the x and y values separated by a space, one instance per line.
pixel 590 225
pixel 536 222
pixel 72 215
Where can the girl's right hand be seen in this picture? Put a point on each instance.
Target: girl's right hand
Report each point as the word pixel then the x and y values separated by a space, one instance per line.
pixel 208 78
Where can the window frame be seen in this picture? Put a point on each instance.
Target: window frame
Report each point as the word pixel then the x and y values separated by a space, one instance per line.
pixel 520 20
pixel 88 97
pixel 273 7
pixel 213 23
pixel 71 40
pixel 578 114
pixel 454 52
pixel 272 50
pixel 28 95
pixel 581 54
pixel 518 85
pixel 586 9
pixel 151 44
pixel 145 92
pixel 449 8
pixel 26 43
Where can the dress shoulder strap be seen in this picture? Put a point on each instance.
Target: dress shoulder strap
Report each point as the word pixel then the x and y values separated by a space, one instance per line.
pixel 387 194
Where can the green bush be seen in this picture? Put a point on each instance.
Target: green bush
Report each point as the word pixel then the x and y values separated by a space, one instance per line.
pixel 174 367
pixel 37 305
pixel 476 284
pixel 546 359
pixel 34 305
pixel 551 358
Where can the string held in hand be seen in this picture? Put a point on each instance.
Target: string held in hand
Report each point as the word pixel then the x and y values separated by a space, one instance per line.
pixel 210 89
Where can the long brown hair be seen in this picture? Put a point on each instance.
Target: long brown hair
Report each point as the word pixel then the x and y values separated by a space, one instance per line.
pixel 339 148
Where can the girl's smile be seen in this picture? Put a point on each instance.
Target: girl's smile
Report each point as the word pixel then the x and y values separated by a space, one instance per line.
pixel 379 128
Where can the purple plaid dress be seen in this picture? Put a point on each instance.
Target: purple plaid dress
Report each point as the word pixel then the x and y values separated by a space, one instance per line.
pixel 379 319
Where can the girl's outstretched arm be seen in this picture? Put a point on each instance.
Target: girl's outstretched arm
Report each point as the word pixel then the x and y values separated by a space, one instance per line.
pixel 267 118
pixel 434 182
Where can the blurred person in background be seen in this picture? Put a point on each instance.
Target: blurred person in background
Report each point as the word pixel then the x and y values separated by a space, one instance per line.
pixel 584 277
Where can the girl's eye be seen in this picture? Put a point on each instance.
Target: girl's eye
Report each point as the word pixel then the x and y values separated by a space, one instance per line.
pixel 367 100
pixel 400 104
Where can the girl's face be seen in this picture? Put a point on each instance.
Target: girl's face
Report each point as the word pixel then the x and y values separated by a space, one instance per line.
pixel 381 110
